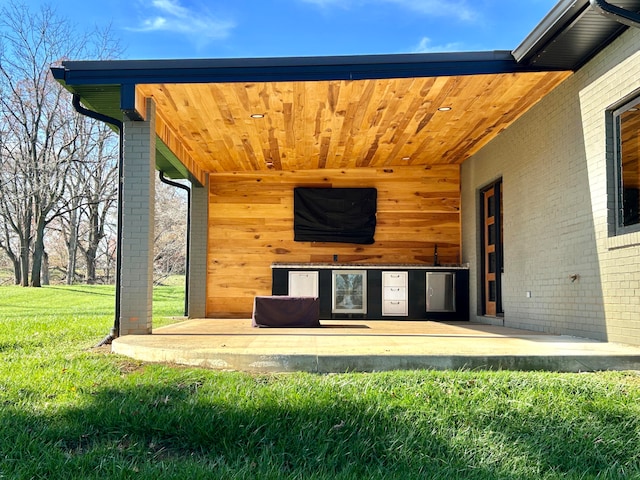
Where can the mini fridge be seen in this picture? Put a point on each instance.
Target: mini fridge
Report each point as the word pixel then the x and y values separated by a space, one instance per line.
pixel 441 292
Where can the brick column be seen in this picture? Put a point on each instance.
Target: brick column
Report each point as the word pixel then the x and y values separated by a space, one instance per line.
pixel 138 196
pixel 198 251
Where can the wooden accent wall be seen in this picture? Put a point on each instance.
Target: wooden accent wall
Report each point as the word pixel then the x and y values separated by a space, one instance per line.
pixel 251 226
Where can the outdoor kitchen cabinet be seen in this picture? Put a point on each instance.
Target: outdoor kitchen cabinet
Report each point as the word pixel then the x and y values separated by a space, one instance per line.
pixel 390 291
pixel 441 292
pixel 395 299
pixel 303 283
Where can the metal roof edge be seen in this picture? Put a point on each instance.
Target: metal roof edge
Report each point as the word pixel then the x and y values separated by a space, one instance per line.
pixel 360 67
pixel 561 14
pixel 285 61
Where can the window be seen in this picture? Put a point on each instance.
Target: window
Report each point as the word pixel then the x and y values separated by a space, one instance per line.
pixel 626 149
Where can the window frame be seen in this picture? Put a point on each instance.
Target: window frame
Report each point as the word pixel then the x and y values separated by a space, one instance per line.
pixel 616 189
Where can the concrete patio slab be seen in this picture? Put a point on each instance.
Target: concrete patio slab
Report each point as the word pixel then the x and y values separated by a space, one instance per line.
pixel 368 345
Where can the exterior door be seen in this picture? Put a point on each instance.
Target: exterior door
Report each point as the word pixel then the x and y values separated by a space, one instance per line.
pixel 492 249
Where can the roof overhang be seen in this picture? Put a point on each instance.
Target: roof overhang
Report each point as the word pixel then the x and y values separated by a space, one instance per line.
pixel 572 33
pixel 111 80
pixel 340 111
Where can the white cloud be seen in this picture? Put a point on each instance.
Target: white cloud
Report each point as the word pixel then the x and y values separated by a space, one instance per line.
pixel 424 46
pixel 440 8
pixel 171 7
pixel 171 16
pixel 458 9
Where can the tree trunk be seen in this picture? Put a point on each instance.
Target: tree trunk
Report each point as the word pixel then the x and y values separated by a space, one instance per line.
pixel 90 260
pixel 38 253
pixel 45 268
pixel 25 249
pixel 72 246
pixel 95 236
pixel 15 263
pixel 16 270
pixel 24 262
pixel 71 263
pixel 15 260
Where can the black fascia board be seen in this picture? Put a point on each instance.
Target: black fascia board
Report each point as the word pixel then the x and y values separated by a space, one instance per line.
pixel 563 13
pixel 287 68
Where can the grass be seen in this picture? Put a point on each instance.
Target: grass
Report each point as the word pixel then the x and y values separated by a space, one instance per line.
pixel 73 412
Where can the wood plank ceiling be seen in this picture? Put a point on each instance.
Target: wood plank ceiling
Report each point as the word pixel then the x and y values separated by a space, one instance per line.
pixel 341 124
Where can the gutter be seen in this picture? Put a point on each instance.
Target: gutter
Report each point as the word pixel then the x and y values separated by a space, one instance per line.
pixel 620 15
pixel 165 180
pixel 115 330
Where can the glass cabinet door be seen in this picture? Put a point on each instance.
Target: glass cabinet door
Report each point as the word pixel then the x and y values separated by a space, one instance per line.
pixel 349 288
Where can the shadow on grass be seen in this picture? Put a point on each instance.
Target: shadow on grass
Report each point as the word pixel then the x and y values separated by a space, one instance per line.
pixel 206 429
pixel 92 290
pixel 214 441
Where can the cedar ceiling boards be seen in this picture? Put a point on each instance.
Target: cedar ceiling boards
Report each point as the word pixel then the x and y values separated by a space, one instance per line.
pixel 341 124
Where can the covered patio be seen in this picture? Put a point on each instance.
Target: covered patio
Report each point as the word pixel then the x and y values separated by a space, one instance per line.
pixel 497 161
pixel 366 346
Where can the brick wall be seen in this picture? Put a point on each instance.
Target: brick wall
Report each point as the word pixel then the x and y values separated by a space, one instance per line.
pixel 553 163
pixel 138 193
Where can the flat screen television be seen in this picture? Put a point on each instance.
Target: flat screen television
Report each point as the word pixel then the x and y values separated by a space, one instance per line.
pixel 342 215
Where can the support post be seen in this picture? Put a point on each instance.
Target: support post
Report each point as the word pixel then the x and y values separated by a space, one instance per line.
pixel 138 195
pixel 198 250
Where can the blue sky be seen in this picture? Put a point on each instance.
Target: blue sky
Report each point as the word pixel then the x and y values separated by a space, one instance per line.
pixel 264 28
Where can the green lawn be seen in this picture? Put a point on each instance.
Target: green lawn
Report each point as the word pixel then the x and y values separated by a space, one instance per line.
pixel 72 412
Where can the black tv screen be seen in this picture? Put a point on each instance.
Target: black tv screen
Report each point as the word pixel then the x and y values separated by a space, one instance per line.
pixel 344 215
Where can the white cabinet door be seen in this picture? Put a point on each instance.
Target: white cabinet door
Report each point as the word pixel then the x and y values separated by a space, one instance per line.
pixel 394 307
pixel 394 279
pixel 303 284
pixel 394 293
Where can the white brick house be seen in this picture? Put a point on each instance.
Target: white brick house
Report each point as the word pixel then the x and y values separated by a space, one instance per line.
pixel 548 187
pixel 554 167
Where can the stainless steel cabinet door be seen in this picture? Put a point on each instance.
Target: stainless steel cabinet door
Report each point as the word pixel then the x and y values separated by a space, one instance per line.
pixel 441 292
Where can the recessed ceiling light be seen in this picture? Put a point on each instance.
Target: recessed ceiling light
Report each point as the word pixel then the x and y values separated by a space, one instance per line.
pixel 406 159
pixel 257 115
pixel 444 109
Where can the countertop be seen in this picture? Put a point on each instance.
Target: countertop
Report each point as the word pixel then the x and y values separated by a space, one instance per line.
pixel 374 266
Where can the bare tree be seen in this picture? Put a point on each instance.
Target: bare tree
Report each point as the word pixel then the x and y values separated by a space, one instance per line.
pixel 91 195
pixel 170 231
pixel 16 213
pixel 41 129
pixel 8 245
pixel 16 207
pixel 99 195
